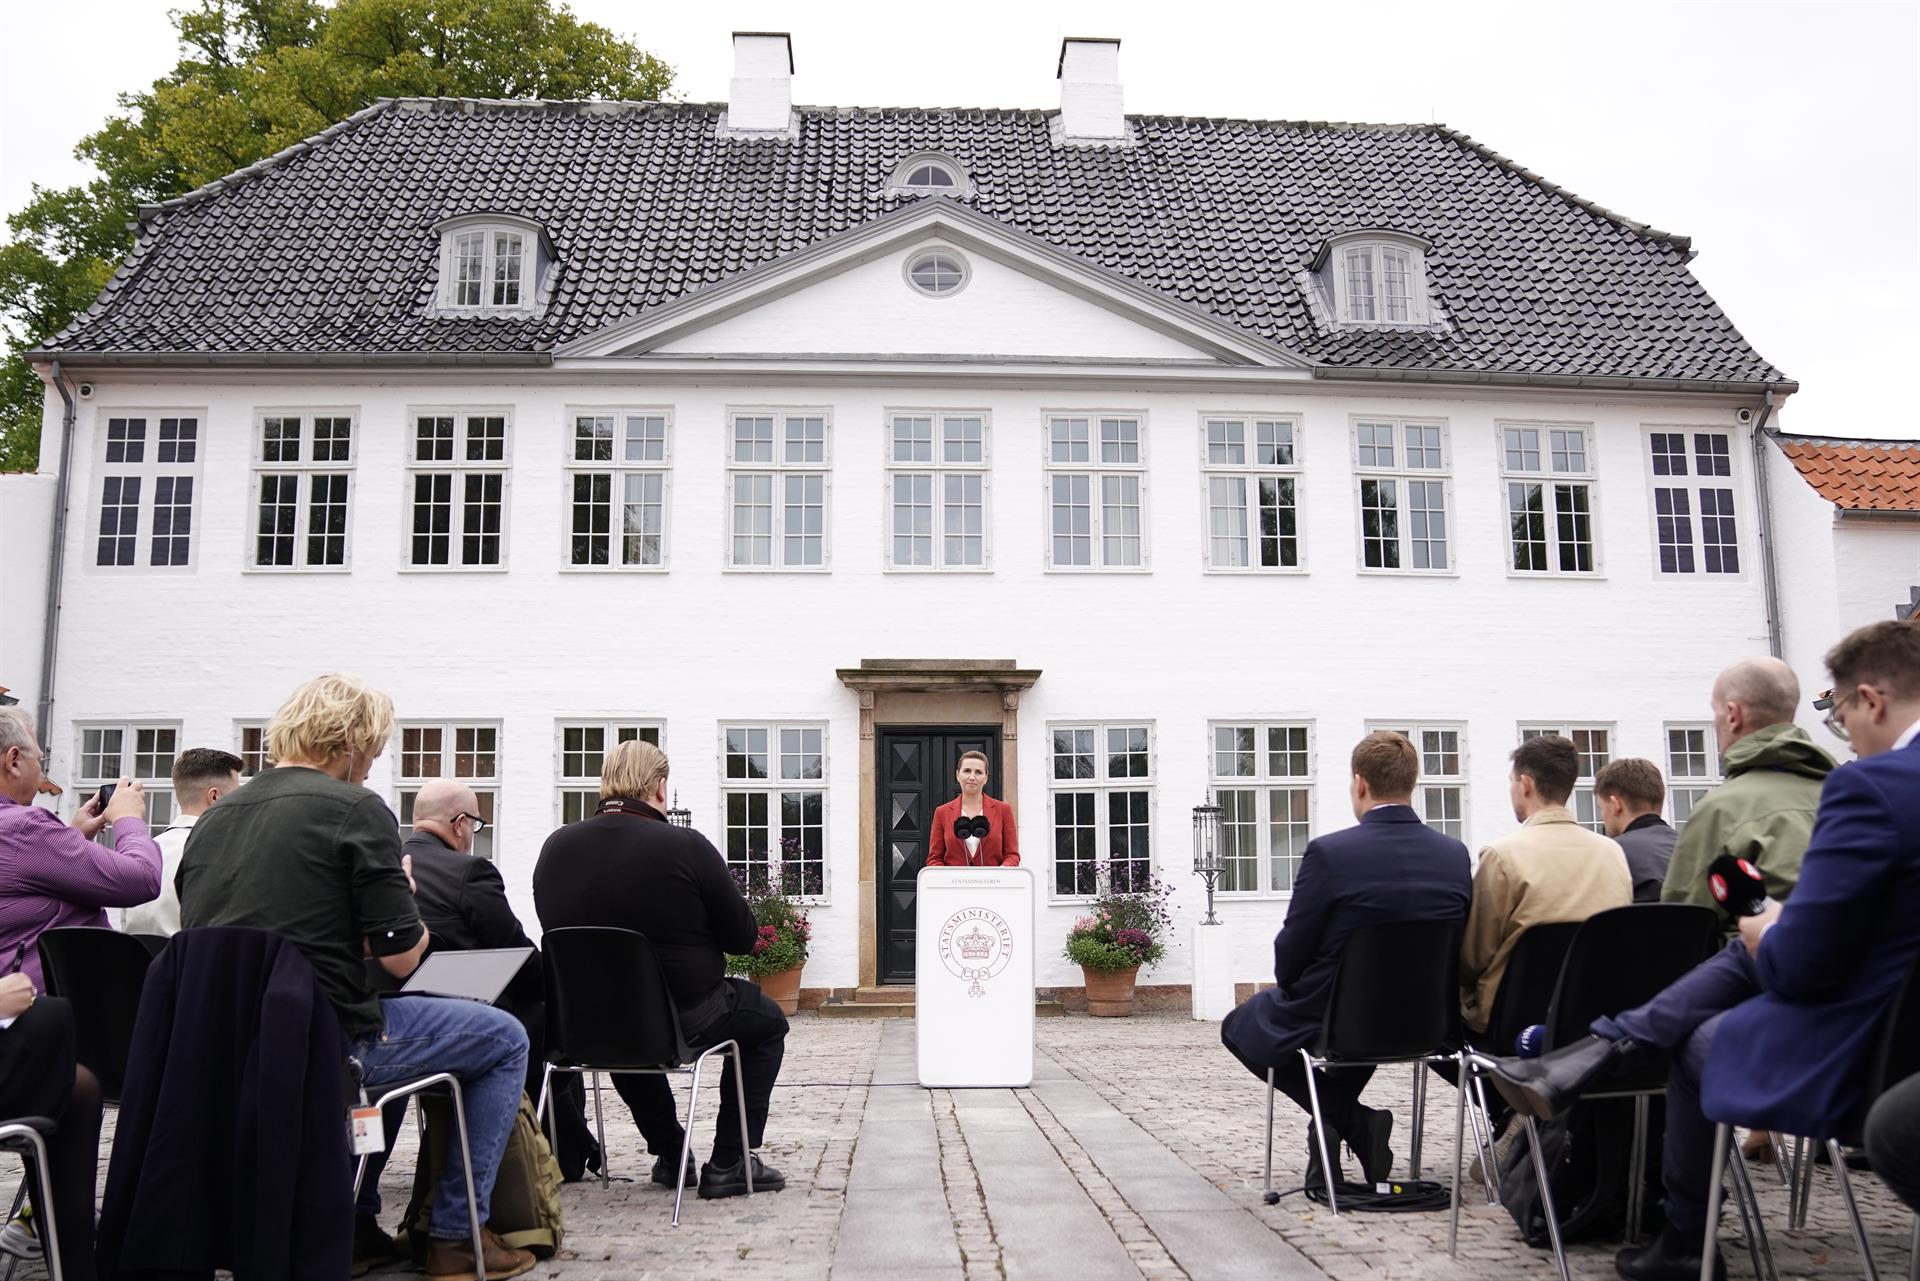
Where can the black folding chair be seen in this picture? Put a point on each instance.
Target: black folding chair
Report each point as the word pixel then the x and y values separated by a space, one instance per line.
pixel 1619 958
pixel 1395 999
pixel 1895 1058
pixel 27 1136
pixel 101 974
pixel 609 1010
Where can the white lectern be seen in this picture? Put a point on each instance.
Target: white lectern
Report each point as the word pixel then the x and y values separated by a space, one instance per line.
pixel 973 976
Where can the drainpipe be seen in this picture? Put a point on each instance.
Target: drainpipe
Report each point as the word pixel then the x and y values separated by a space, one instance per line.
pixel 1770 572
pixel 56 559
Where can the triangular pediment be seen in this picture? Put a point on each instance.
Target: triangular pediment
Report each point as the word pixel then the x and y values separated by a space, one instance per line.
pixel 849 297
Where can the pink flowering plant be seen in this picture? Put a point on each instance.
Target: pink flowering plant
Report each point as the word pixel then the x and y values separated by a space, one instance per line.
pixel 1128 925
pixel 774 891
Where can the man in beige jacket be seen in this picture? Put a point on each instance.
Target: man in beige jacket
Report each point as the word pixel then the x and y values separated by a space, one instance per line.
pixel 1551 870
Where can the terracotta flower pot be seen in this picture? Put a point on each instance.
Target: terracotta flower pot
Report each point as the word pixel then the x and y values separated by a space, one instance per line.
pixel 1110 992
pixel 783 988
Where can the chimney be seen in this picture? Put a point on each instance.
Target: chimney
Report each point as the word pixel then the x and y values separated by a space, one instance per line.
pixel 1089 75
pixel 760 98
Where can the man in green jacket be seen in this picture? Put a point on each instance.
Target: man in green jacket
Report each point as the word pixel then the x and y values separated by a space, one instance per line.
pixel 1764 811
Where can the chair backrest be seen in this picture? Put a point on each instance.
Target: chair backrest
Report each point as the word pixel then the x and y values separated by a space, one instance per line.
pixel 1526 987
pixel 1624 957
pixel 1396 993
pixel 1898 1056
pixel 608 1005
pixel 101 974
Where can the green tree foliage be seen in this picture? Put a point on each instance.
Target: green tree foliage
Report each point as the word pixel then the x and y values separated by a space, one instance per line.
pixel 256 76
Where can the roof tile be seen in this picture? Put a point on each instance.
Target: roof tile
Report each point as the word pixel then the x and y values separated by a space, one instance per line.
pixel 1860 475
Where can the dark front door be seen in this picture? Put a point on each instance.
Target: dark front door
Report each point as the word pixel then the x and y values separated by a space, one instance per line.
pixel 917 763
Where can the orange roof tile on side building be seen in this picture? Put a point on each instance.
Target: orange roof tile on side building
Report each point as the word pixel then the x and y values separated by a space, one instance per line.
pixel 1859 475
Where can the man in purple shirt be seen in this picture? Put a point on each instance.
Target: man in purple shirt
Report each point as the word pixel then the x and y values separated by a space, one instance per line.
pixel 52 874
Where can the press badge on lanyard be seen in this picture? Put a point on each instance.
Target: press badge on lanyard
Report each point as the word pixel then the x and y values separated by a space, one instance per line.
pixel 367 1130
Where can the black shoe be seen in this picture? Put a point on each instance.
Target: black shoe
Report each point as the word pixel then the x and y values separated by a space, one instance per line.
pixel 663 1172
pixel 731 1180
pixel 1543 1087
pixel 1316 1177
pixel 1671 1256
pixel 1369 1143
pixel 372 1247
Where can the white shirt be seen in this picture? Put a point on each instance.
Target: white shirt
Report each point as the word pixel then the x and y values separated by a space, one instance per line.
pixel 162 916
pixel 973 848
pixel 1906 738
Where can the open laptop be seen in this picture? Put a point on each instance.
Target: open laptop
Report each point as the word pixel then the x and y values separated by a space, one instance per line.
pixel 481 974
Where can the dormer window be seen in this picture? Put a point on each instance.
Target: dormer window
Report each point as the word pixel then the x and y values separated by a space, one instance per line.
pixel 1375 278
pixel 929 175
pixel 932 175
pixel 491 264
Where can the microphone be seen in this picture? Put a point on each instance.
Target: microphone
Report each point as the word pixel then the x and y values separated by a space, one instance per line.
pixel 1737 886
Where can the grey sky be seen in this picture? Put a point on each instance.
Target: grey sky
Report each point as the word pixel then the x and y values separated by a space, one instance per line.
pixel 1784 138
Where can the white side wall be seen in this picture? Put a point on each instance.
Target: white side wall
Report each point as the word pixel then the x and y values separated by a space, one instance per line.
pixel 26 533
pixel 1176 646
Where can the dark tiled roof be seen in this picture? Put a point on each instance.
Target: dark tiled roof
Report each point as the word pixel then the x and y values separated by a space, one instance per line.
pixel 329 247
pixel 1859 475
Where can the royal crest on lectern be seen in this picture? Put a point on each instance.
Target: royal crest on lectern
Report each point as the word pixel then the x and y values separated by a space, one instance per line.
pixel 975 945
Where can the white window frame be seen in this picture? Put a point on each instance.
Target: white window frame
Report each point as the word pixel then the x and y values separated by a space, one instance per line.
pixel 1550 475
pixel 1342 251
pixel 304 470
pixel 951 259
pixel 1585 807
pixel 1097 471
pixel 90 772
pixel 1695 786
pixel 1400 475
pixel 1101 786
pixel 458 468
pixel 1693 484
pixel 1266 786
pixel 938 468
pixel 618 469
pixel 778 470
pixel 486 787
pixel 772 786
pixel 613 730
pixel 149 470
pixel 1416 731
pixel 1250 472
pixel 250 745
pixel 961 185
pixel 490 229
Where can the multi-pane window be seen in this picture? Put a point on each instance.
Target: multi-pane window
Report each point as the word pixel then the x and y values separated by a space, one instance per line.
pixel 148 466
pixel 1252 470
pixel 1440 797
pixel 617 488
pixel 1594 744
pixel 143 753
pixel 1696 529
pixel 467 752
pixel 937 490
pixel 1263 783
pixel 1402 473
pixel 251 747
pixel 302 489
pixel 1102 798
pixel 1693 769
pixel 1548 475
pixel 487 269
pixel 777 479
pixel 457 485
pixel 1096 491
pixel 583 750
pixel 1379 282
pixel 773 799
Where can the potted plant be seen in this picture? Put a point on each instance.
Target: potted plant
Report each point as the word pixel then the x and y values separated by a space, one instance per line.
pixel 1126 930
pixel 773 891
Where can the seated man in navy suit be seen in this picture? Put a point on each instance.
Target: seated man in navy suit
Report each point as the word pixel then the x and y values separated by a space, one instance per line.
pixel 1392 867
pixel 1776 1032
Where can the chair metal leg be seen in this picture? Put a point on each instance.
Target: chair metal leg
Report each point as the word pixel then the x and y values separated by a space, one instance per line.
pixel 686 1143
pixel 1803 1163
pixel 1546 1199
pixel 1781 1165
pixel 740 1097
pixel 1839 1157
pixel 1266 1170
pixel 1487 1173
pixel 1636 1168
pixel 44 1225
pixel 1758 1247
pixel 600 1129
pixel 548 1112
pixel 1722 1136
pixel 1320 1135
pixel 1913 1250
pixel 19 1199
pixel 1459 1156
pixel 466 1165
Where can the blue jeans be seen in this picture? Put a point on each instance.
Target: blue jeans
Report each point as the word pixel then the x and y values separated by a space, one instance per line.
pixel 486 1051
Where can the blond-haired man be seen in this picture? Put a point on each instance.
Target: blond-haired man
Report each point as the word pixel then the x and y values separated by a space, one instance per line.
pixel 308 852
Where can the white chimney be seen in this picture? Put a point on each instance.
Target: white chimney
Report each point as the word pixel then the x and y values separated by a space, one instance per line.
pixel 1089 75
pixel 760 98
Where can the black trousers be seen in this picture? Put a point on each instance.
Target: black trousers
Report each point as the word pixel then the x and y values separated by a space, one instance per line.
pixel 761 1030
pixel 38 1077
pixel 1339 1089
pixel 1893 1139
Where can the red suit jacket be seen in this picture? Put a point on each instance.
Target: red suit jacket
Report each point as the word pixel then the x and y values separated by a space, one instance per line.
pixel 1000 847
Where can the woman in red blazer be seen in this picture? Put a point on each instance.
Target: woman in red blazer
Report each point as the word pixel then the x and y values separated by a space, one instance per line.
pixel 973 829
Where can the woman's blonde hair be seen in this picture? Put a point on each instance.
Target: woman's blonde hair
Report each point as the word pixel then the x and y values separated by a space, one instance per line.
pixel 633 769
pixel 328 716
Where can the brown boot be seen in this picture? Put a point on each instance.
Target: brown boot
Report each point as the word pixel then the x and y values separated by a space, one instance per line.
pixel 1758 1148
pixel 453 1260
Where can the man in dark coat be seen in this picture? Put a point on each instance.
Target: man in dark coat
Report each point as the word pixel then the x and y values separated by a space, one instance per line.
pixel 1629 793
pixel 1392 867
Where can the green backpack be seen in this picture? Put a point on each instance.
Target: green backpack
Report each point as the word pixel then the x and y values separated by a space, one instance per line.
pixel 526 1195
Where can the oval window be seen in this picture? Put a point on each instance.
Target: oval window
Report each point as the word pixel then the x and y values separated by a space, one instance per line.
pixel 937 273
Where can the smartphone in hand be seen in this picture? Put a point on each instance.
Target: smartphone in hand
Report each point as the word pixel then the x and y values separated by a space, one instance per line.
pixel 100 801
